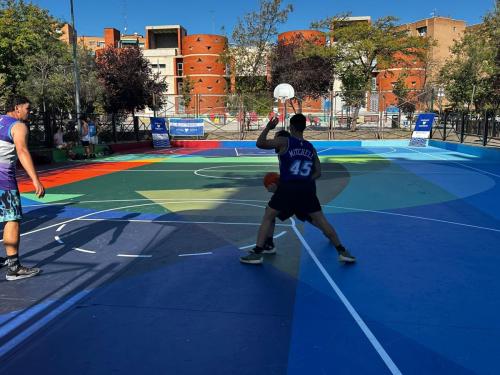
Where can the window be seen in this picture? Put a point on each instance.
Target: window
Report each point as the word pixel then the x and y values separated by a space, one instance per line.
pixel 157 67
pixel 374 84
pixel 422 31
pixel 180 69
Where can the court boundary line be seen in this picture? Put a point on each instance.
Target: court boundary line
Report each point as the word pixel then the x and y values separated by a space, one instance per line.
pixel 414 217
pixel 354 314
pixel 454 162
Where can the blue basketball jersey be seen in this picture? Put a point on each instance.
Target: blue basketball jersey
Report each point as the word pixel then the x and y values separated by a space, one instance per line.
pixel 296 164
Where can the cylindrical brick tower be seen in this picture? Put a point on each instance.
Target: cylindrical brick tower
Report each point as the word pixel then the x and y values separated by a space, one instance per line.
pixel 203 67
pixel 297 36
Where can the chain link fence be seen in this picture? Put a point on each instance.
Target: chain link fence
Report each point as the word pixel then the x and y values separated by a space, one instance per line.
pixel 244 116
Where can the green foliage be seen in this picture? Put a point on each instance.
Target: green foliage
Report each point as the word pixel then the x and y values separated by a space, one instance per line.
pixel 354 85
pixel 25 31
pixel 128 81
pixel 404 96
pixel 473 71
pixel 187 87
pixel 252 38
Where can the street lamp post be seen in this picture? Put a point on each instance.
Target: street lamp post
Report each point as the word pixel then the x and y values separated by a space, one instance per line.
pixel 76 69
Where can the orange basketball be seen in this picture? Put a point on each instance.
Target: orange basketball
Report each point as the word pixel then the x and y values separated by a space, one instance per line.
pixel 271 178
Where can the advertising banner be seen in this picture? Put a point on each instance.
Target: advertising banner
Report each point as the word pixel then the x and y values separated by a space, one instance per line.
pixel 186 127
pixel 160 132
pixel 423 128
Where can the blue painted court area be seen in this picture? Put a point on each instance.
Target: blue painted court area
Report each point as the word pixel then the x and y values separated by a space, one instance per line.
pixel 141 270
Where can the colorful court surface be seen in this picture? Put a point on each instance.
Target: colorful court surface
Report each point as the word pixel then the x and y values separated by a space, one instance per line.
pixel 141 272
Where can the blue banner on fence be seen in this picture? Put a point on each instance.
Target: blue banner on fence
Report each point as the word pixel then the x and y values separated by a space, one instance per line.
pixel 186 127
pixel 159 132
pixel 423 128
pixel 424 122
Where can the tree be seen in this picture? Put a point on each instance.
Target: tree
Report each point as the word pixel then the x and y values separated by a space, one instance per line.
pixel 404 96
pixel 362 47
pixel 472 74
pixel 252 38
pixel 310 75
pixel 187 87
pixel 128 81
pixel 49 83
pixel 25 31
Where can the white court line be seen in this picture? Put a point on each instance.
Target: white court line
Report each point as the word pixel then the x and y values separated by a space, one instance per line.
pixel 60 228
pixel 194 254
pixel 368 333
pixel 84 251
pixel 133 256
pixel 58 239
pixel 454 162
pixel 325 149
pixel 180 222
pixel 277 236
pixel 220 168
pixel 143 199
pixel 415 217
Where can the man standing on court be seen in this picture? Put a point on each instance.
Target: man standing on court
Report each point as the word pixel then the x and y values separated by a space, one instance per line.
pixel 85 136
pixel 14 140
pixel 296 192
pixel 92 137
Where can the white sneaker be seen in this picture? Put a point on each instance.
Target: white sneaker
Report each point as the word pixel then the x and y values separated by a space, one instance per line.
pixel 346 257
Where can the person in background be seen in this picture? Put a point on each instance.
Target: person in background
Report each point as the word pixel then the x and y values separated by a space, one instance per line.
pixel 84 136
pixel 92 137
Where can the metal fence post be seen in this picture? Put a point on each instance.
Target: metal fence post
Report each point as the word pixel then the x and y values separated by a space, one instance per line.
pixel 136 128
pixel 113 124
pixel 485 128
pixel 462 129
pixel 444 126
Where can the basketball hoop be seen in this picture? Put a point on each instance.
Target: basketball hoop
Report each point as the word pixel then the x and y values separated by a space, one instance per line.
pixel 283 92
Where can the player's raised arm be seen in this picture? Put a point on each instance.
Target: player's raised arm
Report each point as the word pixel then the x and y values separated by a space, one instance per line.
pixel 269 144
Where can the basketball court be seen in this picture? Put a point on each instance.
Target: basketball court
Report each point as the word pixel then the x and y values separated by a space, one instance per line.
pixel 141 273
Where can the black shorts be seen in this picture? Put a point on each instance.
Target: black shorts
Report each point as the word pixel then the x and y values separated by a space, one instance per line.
pixel 295 198
pixel 85 143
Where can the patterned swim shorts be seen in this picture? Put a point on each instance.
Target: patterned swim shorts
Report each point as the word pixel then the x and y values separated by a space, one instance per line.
pixel 10 205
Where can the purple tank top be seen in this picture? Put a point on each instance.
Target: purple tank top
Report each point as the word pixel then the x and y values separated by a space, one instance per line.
pixel 8 156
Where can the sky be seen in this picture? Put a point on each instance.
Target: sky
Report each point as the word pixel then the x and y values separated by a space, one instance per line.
pixel 214 16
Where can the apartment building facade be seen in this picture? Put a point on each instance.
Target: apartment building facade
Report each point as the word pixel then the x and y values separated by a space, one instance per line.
pixel 419 75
